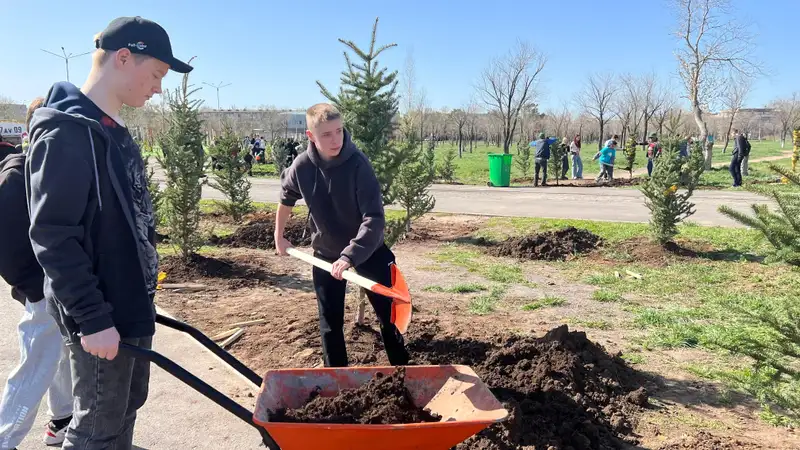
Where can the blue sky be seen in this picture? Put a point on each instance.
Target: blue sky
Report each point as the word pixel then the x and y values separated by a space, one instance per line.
pixel 272 52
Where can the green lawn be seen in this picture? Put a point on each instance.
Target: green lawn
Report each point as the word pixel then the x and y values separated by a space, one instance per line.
pixel 473 168
pixel 720 177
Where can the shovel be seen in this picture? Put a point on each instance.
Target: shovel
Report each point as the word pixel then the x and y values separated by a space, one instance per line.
pixel 398 291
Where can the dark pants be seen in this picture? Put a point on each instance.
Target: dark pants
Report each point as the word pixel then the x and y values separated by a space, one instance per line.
pixel 736 169
pixel 649 167
pixel 564 166
pixel 107 396
pixel 540 164
pixel 606 172
pixel 330 300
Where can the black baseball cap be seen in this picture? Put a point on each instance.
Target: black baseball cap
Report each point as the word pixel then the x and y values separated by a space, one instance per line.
pixel 140 36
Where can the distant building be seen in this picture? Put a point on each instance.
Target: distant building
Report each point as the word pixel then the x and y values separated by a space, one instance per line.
pixel 269 123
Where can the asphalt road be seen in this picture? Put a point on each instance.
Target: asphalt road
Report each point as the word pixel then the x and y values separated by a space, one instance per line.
pixel 591 203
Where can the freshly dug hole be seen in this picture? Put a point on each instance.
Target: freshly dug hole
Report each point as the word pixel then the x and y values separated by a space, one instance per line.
pixel 260 233
pixel 198 267
pixel 383 400
pixel 550 245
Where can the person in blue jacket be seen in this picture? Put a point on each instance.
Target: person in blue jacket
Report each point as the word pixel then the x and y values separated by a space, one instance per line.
pixel 542 155
pixel 607 156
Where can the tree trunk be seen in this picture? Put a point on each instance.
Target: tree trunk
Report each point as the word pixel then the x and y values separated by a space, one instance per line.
pixel 728 134
pixel 460 146
pixel 600 139
pixel 698 118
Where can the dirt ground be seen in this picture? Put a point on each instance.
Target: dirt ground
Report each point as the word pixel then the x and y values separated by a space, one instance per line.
pixel 679 411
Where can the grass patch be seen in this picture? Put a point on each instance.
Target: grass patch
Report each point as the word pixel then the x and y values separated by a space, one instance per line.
pixel 485 304
pixel 476 262
pixel 544 302
pixel 606 296
pixel 464 288
pixel 633 358
pixel 264 170
pixel 594 324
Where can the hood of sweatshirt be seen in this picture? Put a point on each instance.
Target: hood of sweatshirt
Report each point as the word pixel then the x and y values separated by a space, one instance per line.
pixel 348 150
pixel 65 102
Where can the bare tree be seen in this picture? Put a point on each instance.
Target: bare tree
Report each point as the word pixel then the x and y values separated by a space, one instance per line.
pixel 459 119
pixel 10 110
pixel 654 97
pixel 508 86
pixel 560 121
pixel 713 45
pixel 595 99
pixel 472 122
pixel 660 115
pixel 732 101
pixel 629 105
pixel 787 111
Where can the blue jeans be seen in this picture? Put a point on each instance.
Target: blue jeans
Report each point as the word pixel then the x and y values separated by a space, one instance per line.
pixel 577 166
pixel 649 167
pixel 107 396
pixel 43 367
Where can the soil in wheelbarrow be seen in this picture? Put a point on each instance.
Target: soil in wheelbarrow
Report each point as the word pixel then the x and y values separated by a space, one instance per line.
pixel 383 400
pixel 562 390
pixel 259 232
pixel 549 245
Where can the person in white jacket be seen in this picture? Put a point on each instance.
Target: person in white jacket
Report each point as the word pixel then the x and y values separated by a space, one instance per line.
pixel 577 163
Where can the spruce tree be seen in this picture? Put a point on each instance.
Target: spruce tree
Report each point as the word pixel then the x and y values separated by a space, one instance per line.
pixel 668 206
pixel 230 174
pixel 368 102
pixel 156 195
pixel 183 158
pixel 447 168
pixel 557 151
pixel 780 227
pixel 524 159
pixel 414 178
pixel 630 155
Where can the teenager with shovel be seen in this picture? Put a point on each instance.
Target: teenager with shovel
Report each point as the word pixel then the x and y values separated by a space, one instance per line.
pixel 338 184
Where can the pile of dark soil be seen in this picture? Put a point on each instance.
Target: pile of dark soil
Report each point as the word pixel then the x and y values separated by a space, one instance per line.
pixel 382 400
pixel 561 390
pixel 550 245
pixel 707 441
pixel 237 274
pixel 260 233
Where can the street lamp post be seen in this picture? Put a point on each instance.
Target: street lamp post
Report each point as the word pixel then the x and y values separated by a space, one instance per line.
pixel 218 87
pixel 65 57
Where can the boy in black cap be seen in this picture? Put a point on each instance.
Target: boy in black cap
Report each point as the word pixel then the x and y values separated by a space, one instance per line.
pixel 92 227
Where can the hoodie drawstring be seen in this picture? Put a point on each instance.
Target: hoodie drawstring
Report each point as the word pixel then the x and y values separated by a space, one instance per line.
pixel 96 173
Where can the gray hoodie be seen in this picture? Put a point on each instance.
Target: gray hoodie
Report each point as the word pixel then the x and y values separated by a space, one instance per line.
pixel 343 198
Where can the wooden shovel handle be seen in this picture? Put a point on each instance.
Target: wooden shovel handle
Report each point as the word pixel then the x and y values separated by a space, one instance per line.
pixel 348 275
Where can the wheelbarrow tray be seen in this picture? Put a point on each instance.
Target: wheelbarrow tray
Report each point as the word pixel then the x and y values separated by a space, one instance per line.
pixel 453 392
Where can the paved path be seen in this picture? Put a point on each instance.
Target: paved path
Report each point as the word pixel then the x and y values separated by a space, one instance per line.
pixel 592 203
pixel 786 154
pixel 175 416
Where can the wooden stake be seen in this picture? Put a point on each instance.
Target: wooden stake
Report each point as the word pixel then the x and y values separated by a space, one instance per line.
pixel 249 322
pixel 638 276
pixel 225 334
pixel 233 338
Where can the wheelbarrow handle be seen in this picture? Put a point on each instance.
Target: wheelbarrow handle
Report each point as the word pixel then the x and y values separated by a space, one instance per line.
pixel 212 346
pixel 169 366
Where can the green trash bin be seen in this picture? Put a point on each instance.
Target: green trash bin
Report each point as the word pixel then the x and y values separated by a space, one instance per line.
pixel 499 169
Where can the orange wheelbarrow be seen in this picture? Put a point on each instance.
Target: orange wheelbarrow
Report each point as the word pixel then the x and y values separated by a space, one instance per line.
pixel 454 392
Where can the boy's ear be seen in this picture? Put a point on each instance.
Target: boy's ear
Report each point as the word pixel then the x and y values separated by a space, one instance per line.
pixel 309 135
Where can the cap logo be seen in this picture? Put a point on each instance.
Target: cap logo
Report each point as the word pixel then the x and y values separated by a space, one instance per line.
pixel 138 45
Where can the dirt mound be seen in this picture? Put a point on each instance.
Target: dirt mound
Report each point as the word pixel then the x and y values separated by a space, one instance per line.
pixel 259 232
pixel 550 245
pixel 707 441
pixel 197 267
pixel 383 400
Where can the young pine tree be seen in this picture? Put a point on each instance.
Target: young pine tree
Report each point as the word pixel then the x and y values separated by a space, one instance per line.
pixel 524 160
pixel 368 102
pixel 413 181
pixel 557 151
pixel 447 168
pixel 230 174
pixel 630 155
pixel 183 158
pixel 782 226
pixel 668 206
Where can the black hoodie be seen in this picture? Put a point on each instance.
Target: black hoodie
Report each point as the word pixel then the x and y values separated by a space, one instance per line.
pixel 82 221
pixel 343 198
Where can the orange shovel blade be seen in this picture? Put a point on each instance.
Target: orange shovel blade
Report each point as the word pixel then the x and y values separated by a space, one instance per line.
pixel 401 299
